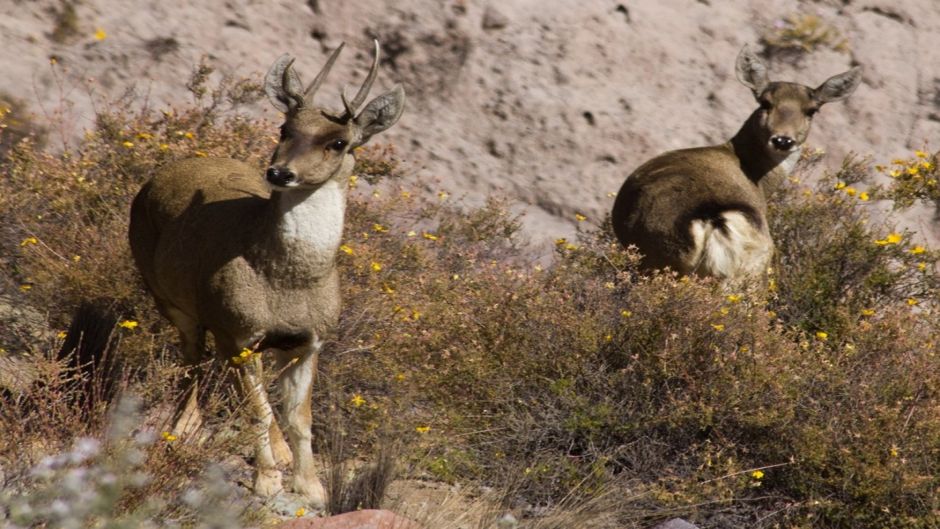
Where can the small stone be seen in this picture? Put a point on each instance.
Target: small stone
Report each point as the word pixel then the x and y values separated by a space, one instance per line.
pixel 493 19
pixel 676 523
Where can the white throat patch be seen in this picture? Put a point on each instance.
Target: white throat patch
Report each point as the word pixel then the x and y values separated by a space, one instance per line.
pixel 315 219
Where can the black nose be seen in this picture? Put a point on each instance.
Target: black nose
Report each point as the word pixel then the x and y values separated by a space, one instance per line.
pixel 280 176
pixel 782 143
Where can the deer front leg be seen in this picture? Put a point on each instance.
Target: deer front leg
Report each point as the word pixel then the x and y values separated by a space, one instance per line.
pixel 296 384
pixel 268 477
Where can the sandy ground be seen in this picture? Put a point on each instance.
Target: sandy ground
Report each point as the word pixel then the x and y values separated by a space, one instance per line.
pixel 551 103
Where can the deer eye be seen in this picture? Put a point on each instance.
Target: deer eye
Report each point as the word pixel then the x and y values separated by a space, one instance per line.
pixel 337 145
pixel 765 104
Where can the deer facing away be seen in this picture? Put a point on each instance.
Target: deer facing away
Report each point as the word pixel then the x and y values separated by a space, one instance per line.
pixel 702 211
pixel 251 257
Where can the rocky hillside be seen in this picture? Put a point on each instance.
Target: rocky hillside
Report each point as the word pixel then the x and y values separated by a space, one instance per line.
pixel 552 103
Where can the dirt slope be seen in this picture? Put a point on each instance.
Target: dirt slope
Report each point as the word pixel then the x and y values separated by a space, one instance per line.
pixel 552 103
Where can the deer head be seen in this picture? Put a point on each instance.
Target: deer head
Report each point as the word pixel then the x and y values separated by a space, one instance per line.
pixel 787 109
pixel 316 144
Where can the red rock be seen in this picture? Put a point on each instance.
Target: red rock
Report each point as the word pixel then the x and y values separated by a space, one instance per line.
pixel 365 519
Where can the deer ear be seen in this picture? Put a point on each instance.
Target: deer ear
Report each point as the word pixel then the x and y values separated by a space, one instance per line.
pixel 283 86
pixel 838 87
pixel 751 71
pixel 381 113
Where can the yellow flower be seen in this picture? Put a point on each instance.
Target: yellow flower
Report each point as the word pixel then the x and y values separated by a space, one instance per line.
pixel 353 180
pixel 412 233
pixel 200 154
pixel 894 173
pixel 625 313
pixel 893 451
pixel 920 154
pixel 927 166
pixel 863 196
pixel 387 289
pixel 822 335
pixel 376 267
pixel 579 217
pixel 757 474
pixel 406 194
pixel 357 400
pixel 912 171
pixel 29 240
pixel 128 144
pixel 379 228
pixel 840 185
pixel 25 287
pixel 300 512
pixel 345 249
pixel 850 191
pixel 733 298
pixel 868 312
pixel 917 250
pixel 422 429
pixel 168 437
pixel 246 352
pixel 429 236
pixel 892 238
pixel 609 338
pixel 164 147
pixel 912 302
pixel 610 285
pixel 100 34
pixel 718 326
pixel 443 195
pixel 189 135
pixel 144 135
pixel 724 311
pixel 61 334
pixel 561 241
pixel 921 266
pixel 128 324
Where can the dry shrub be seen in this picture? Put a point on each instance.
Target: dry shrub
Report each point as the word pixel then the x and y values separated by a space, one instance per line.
pixel 813 404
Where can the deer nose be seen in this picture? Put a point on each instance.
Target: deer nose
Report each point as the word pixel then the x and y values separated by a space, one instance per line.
pixel 782 143
pixel 280 176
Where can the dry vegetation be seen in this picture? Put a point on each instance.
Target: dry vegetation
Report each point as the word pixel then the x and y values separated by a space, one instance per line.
pixel 580 389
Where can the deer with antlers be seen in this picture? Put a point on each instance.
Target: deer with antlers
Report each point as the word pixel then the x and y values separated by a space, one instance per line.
pixel 250 256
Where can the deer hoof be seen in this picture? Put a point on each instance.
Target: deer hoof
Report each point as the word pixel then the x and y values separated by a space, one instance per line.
pixel 312 490
pixel 268 483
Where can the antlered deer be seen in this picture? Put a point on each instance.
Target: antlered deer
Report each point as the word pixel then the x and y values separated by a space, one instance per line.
pixel 702 211
pixel 250 257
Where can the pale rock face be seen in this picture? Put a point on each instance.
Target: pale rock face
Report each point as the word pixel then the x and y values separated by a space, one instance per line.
pixel 554 103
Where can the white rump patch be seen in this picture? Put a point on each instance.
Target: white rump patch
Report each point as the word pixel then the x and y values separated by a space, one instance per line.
pixel 738 250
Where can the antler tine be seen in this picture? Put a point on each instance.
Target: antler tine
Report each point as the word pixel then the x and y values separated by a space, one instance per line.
pixel 350 109
pixel 366 85
pixel 315 84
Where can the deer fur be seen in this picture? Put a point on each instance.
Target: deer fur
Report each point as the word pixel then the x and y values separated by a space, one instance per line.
pixel 250 255
pixel 703 211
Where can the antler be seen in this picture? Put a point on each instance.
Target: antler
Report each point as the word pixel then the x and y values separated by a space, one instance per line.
pixel 363 92
pixel 315 84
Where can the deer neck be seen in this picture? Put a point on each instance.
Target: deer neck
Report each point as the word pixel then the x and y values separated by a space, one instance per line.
pixel 757 161
pixel 309 222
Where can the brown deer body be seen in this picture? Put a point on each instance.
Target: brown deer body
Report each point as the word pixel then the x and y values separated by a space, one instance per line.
pixel 251 257
pixel 702 211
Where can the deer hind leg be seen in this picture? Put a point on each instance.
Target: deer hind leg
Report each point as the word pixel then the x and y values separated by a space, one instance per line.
pixel 187 419
pixel 296 384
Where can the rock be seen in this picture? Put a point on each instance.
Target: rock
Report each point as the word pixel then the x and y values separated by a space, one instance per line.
pixel 365 519
pixel 676 523
pixel 493 19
